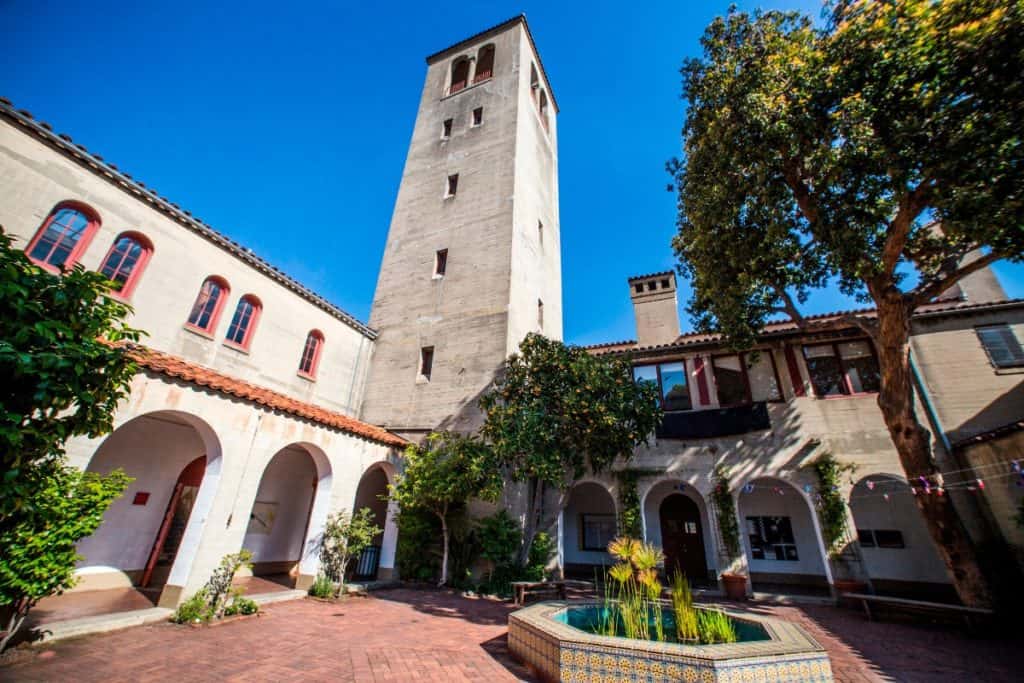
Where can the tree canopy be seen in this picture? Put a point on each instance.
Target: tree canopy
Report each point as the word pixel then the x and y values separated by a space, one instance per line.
pixel 557 411
pixel 819 155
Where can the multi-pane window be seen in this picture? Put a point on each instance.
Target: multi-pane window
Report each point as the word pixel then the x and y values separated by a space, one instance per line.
pixel 597 531
pixel 1001 345
pixel 771 538
pixel 206 309
pixel 881 538
pixel 746 377
pixel 63 236
pixel 440 262
pixel 125 262
pixel 842 368
pixel 670 379
pixel 243 322
pixel 426 361
pixel 311 353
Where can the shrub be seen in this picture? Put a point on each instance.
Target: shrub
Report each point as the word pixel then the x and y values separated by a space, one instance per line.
pixel 195 610
pixel 241 605
pixel 322 587
pixel 344 539
pixel 418 555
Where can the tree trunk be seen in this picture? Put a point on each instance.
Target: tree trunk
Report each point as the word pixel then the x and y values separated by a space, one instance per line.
pixel 912 441
pixel 444 551
pixel 535 508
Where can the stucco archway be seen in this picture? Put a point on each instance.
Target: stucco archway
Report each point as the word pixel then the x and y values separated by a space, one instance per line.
pixel 587 523
pixel 652 505
pixel 378 561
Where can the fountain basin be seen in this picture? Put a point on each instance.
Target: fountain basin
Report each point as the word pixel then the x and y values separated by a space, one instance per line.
pixel 543 637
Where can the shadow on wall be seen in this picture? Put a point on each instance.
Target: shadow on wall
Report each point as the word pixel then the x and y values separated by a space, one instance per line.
pixel 1002 411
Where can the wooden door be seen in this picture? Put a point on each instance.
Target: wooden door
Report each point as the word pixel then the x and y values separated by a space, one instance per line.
pixel 179 509
pixel 682 538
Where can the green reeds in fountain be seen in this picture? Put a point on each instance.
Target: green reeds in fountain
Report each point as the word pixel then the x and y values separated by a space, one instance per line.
pixel 682 606
pixel 715 627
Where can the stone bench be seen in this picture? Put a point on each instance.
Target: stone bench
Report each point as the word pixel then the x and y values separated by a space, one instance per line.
pixel 971 615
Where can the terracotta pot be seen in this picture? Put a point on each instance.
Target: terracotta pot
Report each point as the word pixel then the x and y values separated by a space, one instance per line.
pixel 735 586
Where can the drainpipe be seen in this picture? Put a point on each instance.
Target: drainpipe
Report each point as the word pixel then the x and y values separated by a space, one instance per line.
pixel 929 407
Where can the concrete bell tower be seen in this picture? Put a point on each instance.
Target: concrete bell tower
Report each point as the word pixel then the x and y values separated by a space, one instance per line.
pixel 472 261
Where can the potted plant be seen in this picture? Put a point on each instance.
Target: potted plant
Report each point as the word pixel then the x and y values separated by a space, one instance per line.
pixel 735 585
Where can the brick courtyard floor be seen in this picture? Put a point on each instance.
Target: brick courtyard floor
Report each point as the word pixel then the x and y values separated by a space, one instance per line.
pixel 410 635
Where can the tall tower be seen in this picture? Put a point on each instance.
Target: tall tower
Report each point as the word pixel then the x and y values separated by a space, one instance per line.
pixel 472 261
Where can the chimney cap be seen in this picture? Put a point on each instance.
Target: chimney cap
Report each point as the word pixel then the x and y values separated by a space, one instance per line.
pixel 653 275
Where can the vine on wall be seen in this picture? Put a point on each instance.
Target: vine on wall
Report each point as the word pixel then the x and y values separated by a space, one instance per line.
pixel 727 525
pixel 832 508
pixel 629 504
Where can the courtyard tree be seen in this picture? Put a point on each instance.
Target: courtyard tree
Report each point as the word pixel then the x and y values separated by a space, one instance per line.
pixel 886 141
pixel 441 476
pixel 344 539
pixel 37 542
pixel 556 412
pixel 60 375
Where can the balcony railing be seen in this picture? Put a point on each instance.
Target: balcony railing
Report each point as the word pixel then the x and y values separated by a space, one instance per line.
pixel 708 424
pixel 482 76
pixel 456 87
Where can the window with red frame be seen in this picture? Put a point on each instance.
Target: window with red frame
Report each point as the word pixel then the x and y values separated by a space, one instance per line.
pixel 206 310
pixel 243 323
pixel 484 64
pixel 125 262
pixel 842 368
pixel 63 236
pixel 311 354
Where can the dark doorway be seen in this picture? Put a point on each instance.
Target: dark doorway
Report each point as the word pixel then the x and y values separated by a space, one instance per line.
pixel 682 538
pixel 172 529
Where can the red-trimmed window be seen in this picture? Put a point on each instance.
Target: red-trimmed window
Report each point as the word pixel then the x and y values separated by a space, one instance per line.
pixel 210 302
pixel 310 360
pixel 243 323
pixel 63 236
pixel 671 381
pixel 484 64
pixel 842 368
pixel 126 260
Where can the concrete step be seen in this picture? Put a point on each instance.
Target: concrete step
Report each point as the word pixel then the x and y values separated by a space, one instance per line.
pixel 70 628
pixel 278 596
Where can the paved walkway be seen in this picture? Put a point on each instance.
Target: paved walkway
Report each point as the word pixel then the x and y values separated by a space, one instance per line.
pixel 409 635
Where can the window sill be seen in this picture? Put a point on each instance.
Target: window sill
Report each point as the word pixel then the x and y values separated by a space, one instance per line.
pixel 198 331
pixel 422 379
pixel 236 347
pixel 468 87
pixel 50 268
pixel 1010 370
pixel 839 397
pixel 437 276
pixel 305 376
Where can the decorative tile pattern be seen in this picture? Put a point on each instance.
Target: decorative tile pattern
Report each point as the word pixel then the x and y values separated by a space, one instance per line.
pixel 559 652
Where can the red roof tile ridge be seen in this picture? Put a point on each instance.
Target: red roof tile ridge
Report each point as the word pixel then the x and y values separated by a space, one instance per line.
pixel 175 366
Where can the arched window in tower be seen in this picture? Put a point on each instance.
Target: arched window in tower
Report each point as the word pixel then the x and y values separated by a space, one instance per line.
pixel 243 323
pixel 484 63
pixel 310 360
pixel 542 107
pixel 63 236
pixel 126 260
pixel 460 75
pixel 207 308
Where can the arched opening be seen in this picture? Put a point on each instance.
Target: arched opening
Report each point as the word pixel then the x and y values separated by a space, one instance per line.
pixel 286 517
pixel 149 536
pixel 64 235
pixel 460 75
pixel 899 554
pixel 377 561
pixel 209 303
pixel 484 63
pixel 126 261
pixel 244 321
pixel 676 519
pixel 588 525
pixel 542 107
pixel 780 536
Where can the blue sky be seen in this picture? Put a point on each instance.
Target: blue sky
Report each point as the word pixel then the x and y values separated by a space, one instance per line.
pixel 285 125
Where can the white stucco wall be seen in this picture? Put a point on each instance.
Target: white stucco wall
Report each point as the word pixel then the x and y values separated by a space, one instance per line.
pixel 763 501
pixel 585 498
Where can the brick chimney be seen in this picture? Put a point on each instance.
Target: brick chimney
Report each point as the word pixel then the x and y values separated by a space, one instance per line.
pixel 655 307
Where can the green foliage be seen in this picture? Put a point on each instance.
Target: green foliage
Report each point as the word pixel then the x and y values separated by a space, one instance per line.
pixel 715 626
pixel 629 504
pixel 241 605
pixel 633 594
pixel 832 510
pixel 418 554
pixel 556 411
pixel 344 538
pixel 683 609
pixel 541 550
pixel 322 587
pixel 500 536
pixel 722 499
pixel 442 475
pixel 37 542
pixel 218 588
pixel 59 378
pixel 194 610
pixel 814 156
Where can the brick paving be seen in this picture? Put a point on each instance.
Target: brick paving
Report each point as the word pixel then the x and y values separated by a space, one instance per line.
pixel 410 635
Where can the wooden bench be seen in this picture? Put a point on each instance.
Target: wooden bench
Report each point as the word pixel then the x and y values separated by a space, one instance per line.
pixel 521 589
pixel 970 615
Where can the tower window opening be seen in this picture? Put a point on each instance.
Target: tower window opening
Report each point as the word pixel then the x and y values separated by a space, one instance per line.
pixel 484 63
pixel 453 185
pixel 540 314
pixel 460 75
pixel 540 232
pixel 478 116
pixel 542 107
pixel 426 361
pixel 440 262
pixel 446 129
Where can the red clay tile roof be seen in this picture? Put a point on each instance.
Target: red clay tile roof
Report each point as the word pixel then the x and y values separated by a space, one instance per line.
pixel 822 320
pixel 95 163
pixel 179 368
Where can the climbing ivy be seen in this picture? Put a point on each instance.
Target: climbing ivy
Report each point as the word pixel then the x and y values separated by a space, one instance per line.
pixel 629 505
pixel 832 508
pixel 727 526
